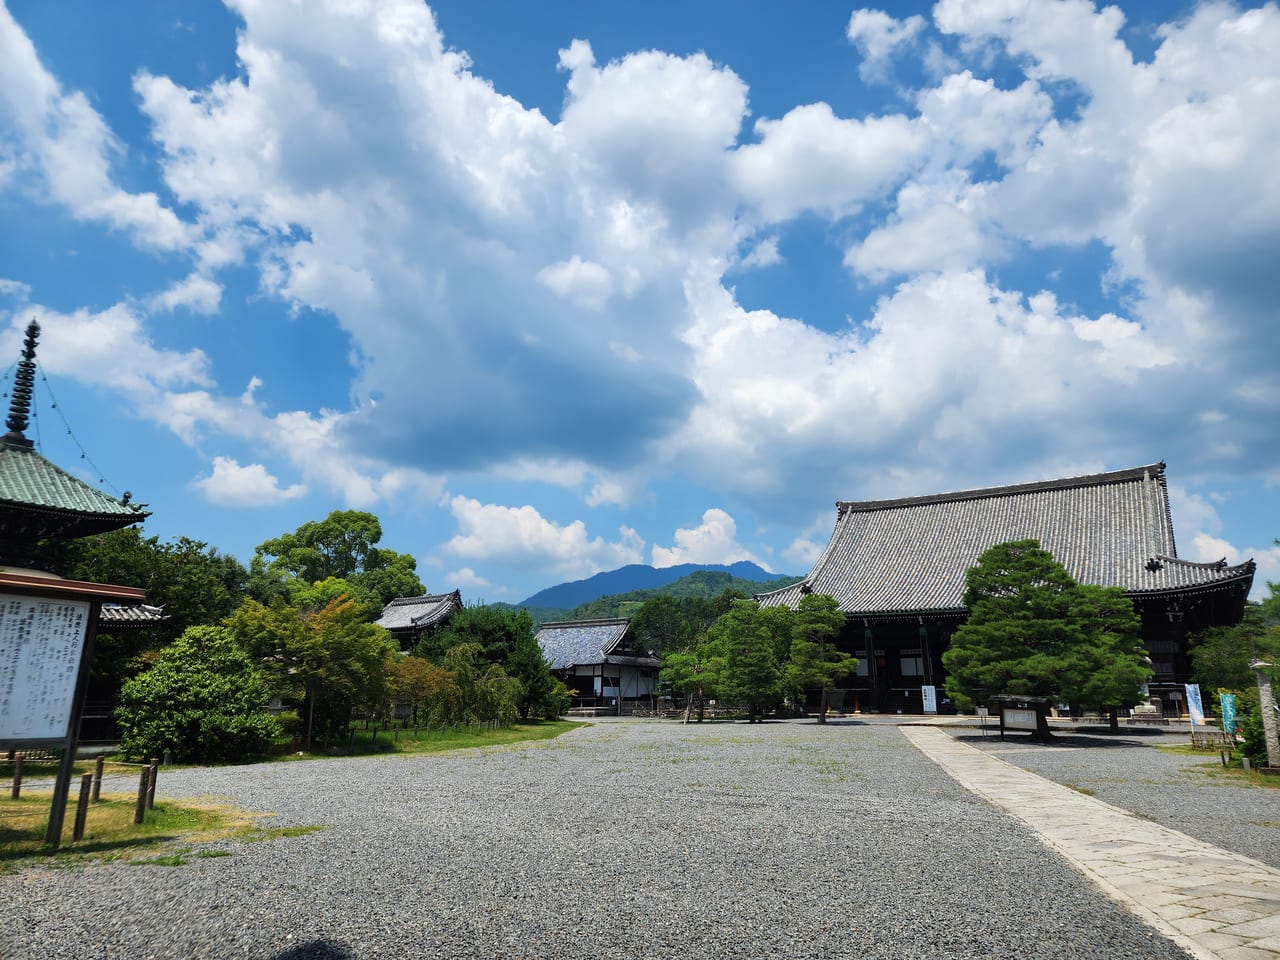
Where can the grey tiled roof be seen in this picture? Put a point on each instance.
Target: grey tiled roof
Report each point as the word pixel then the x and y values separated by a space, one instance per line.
pixel 907 555
pixel 116 615
pixel 581 642
pixel 29 481
pixel 418 613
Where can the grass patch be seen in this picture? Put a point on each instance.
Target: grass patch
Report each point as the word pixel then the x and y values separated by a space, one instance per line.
pixel 437 739
pixel 110 832
pixel 1079 789
pixel 258 834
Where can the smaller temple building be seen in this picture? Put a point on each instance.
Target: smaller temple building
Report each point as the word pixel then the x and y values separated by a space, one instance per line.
pixel 897 569
pixel 409 618
pixel 599 662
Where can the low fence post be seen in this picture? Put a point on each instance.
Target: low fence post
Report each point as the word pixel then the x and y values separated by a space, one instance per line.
pixel 17 776
pixel 151 782
pixel 82 807
pixel 97 778
pixel 140 808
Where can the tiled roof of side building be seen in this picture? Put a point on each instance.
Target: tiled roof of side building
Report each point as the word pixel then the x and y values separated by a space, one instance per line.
pixel 911 554
pixel 417 613
pixel 113 615
pixel 580 642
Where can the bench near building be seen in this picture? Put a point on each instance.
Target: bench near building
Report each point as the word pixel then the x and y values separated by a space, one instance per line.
pixel 897 569
pixel 600 664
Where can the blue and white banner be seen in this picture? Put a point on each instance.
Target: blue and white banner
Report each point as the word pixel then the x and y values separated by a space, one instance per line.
pixel 1194 707
pixel 1228 701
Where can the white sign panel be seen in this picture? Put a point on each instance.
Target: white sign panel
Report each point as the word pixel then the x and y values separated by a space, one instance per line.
pixel 41 641
pixel 929 695
pixel 1019 719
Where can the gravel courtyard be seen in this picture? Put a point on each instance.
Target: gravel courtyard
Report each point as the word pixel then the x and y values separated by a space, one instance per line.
pixel 631 839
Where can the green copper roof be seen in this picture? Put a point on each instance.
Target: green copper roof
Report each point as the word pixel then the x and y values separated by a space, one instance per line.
pixel 39 501
pixel 28 480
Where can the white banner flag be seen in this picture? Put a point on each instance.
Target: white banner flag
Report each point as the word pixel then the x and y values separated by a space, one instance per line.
pixel 1194 707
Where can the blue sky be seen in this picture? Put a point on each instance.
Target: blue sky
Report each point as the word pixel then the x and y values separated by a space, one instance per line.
pixel 555 287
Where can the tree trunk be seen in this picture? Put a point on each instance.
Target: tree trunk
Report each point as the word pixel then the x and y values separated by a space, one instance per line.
pixel 822 706
pixel 1114 726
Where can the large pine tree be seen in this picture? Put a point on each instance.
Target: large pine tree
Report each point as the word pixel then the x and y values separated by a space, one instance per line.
pixel 1033 631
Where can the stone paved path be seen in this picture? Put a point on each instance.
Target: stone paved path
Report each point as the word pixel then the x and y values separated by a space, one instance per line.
pixel 1211 902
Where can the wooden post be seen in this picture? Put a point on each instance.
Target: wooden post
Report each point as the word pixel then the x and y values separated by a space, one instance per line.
pixel 151 782
pixel 140 808
pixel 17 776
pixel 97 777
pixel 82 807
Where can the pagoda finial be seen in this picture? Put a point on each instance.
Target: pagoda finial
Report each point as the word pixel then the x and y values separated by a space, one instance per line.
pixel 23 383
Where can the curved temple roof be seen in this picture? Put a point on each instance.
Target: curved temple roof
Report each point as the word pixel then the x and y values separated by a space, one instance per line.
pixel 910 555
pixel 418 613
pixel 571 643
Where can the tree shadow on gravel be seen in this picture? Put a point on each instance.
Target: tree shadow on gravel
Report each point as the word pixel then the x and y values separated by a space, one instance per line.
pixel 316 950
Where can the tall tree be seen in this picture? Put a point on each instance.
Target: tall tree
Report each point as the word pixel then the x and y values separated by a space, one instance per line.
pixel 330 659
pixel 1109 668
pixel 694 672
pixel 1031 631
pixel 342 546
pixel 661 625
pixel 815 660
pixel 194 583
pixel 751 674
pixel 1220 656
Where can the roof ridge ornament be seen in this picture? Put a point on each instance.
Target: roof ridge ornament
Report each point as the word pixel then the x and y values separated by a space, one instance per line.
pixel 23 385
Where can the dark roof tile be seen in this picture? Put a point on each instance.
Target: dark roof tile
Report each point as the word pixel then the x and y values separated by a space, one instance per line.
pixel 911 554
pixel 581 642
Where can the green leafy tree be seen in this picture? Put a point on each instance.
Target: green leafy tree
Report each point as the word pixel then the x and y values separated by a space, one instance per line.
pixel 526 663
pixel 660 625
pixel 331 659
pixel 203 701
pixel 1032 632
pixel 1107 670
pixel 194 584
pixel 316 596
pixel 695 672
pixel 342 546
pixel 815 660
pixel 750 675
pixel 1220 656
pixel 496 630
pixel 487 692
pixel 779 623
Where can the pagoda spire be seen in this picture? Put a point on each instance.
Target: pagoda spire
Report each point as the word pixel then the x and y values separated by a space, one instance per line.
pixel 23 384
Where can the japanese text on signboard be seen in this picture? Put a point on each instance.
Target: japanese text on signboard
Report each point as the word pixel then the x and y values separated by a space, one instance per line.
pixel 41 642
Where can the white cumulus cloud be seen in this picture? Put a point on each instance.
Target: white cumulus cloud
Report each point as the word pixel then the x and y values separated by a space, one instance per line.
pixel 231 485
pixel 714 540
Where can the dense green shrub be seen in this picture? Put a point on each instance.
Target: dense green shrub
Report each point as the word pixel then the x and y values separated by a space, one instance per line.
pixel 203 701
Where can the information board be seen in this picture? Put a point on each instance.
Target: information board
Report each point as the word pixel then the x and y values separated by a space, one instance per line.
pixel 1019 719
pixel 929 697
pixel 41 642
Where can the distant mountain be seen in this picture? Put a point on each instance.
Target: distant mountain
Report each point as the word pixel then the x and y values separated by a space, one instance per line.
pixel 635 576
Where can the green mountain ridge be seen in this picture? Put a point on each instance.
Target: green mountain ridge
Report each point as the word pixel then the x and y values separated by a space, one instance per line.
pixel 704 584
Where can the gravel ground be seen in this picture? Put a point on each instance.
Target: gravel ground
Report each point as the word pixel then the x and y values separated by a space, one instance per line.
pixel 1187 793
pixel 652 840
